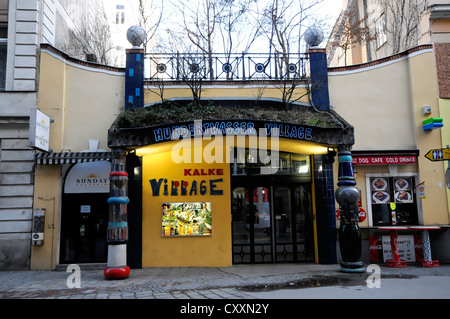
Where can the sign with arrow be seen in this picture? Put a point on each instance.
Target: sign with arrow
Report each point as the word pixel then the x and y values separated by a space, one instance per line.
pixel 441 154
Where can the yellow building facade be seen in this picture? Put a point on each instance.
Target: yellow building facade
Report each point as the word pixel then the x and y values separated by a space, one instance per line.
pixel 188 209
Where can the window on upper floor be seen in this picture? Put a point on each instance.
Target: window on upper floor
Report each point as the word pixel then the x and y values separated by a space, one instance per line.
pixel 120 14
pixel 3 53
pixel 381 31
pixel 3 41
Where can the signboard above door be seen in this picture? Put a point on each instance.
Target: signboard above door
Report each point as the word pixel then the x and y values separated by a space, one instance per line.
pixel 92 177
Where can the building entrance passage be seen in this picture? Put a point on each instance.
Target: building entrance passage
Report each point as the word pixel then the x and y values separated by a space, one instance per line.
pixel 83 228
pixel 84 213
pixel 272 223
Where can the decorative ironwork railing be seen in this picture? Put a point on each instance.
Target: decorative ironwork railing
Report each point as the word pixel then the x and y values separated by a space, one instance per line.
pixel 224 67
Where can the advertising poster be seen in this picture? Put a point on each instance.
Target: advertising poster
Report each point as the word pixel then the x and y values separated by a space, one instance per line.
pixel 403 190
pixel 380 191
pixel 405 248
pixel 39 130
pixel 410 248
pixel 186 219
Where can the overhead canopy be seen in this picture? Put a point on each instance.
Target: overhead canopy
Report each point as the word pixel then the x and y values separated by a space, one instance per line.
pixel 71 158
pixel 158 123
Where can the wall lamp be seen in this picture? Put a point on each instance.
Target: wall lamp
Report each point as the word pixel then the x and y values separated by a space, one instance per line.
pixel 329 157
pixel 133 160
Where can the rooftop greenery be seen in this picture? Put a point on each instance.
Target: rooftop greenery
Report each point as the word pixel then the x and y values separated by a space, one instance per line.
pixel 175 112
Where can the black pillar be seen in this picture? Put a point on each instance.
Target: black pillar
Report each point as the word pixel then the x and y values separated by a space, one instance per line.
pixel 347 195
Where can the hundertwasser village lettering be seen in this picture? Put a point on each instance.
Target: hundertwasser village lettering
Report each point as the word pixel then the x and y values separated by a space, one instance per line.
pixel 166 187
pixel 199 129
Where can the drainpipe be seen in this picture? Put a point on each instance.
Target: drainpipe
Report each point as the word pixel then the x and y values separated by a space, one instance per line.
pixel 117 232
pixel 347 196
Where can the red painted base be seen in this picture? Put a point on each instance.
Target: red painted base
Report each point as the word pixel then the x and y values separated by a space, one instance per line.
pixel 430 264
pixel 396 264
pixel 117 273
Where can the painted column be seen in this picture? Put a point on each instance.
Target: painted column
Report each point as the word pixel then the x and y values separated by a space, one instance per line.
pixel 117 232
pixel 134 78
pixel 347 195
pixel 319 78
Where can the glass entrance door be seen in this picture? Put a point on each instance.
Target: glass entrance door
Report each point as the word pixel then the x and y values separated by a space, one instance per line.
pixel 293 235
pixel 83 228
pixel 273 224
pixel 252 231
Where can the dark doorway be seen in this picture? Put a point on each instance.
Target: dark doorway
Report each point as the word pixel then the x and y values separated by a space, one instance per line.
pixel 272 214
pixel 272 224
pixel 84 221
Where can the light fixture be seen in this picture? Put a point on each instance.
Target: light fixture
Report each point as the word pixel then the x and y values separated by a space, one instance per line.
pixel 133 160
pixel 329 157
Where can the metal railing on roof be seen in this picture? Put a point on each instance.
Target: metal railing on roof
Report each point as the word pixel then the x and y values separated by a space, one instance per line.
pixel 224 67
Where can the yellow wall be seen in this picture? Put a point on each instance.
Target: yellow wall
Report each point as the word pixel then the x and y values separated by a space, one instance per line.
pixel 424 89
pixel 376 102
pixel 83 102
pixel 205 251
pixel 249 91
pixel 444 109
pixel 384 104
pixel 46 195
pixel 214 251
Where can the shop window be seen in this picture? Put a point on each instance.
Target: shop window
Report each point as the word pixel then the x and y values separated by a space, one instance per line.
pixel 381 31
pixel 249 161
pixel 3 54
pixel 392 200
pixel 120 14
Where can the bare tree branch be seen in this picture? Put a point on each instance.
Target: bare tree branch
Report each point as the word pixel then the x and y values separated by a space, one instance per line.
pixel 403 18
pixel 150 17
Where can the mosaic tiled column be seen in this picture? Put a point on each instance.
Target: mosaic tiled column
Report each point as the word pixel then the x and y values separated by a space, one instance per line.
pixel 134 78
pixel 117 232
pixel 347 196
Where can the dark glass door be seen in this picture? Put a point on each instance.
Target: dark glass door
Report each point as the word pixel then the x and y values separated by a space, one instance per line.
pixel 273 224
pixel 252 231
pixel 84 222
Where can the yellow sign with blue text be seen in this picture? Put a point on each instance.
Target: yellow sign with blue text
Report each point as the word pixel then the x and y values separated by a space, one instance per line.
pixel 441 154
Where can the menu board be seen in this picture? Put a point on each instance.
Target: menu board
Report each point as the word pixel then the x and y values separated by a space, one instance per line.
pixel 403 192
pixel 380 190
pixel 186 219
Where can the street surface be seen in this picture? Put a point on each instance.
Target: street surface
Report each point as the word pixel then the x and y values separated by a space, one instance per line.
pixel 233 291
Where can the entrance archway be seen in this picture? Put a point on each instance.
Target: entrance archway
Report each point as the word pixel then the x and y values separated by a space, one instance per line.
pixel 272 214
pixel 84 216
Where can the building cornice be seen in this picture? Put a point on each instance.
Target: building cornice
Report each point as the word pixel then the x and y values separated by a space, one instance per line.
pixel 92 66
pixel 383 61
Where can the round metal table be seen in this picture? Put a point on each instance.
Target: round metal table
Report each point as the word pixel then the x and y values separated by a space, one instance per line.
pixel 426 246
pixel 395 261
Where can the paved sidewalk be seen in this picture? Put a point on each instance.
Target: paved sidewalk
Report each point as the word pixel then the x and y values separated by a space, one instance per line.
pixel 237 282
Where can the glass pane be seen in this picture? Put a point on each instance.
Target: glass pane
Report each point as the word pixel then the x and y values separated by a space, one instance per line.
pixel 282 224
pixel 300 164
pixel 240 216
pixel 282 213
pixel 304 224
pixel 241 229
pixel 3 51
pixel 262 224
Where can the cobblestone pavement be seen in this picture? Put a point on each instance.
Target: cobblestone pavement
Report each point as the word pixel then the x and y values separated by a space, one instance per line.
pixel 237 282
